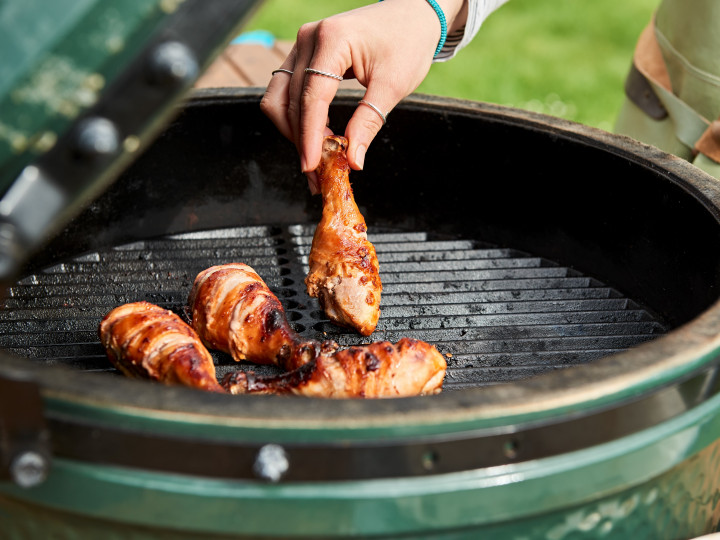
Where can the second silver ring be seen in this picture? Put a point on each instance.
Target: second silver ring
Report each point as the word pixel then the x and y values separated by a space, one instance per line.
pixel 323 73
pixel 382 115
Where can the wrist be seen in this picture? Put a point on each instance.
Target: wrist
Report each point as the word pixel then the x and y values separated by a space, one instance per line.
pixel 444 15
pixel 455 13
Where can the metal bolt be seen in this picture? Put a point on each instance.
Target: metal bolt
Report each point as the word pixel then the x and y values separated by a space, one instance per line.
pixel 97 137
pixel 511 448
pixel 29 469
pixel 173 63
pixel 271 462
pixel 429 460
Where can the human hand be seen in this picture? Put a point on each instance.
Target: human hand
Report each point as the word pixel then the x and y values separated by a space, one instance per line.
pixel 387 46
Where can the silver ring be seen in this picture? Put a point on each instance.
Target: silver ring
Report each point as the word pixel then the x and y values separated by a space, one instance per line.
pixel 281 70
pixel 323 73
pixel 374 108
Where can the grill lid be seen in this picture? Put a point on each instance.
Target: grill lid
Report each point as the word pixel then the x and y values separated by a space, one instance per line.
pixel 84 88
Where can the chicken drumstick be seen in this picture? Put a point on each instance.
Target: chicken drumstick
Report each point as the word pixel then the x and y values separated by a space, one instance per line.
pixel 344 273
pixel 146 341
pixel 234 311
pixel 381 369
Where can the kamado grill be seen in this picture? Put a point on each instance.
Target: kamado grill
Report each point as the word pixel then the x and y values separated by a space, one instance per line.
pixel 569 276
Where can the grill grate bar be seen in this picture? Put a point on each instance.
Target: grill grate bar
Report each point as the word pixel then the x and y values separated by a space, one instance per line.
pixel 494 308
pixel 391 277
pixel 150 268
pixel 404 298
pixel 462 265
pixel 110 275
pixel 69 338
pixel 498 314
pixel 462 335
pixel 30 306
pixel 554 344
pixel 390 254
pixel 187 253
pixel 454 380
pixel 527 359
pixel 490 285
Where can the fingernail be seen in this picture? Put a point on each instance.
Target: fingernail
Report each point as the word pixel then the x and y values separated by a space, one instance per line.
pixel 313 183
pixel 313 188
pixel 360 156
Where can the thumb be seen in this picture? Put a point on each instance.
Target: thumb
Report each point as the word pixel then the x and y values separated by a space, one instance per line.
pixel 367 120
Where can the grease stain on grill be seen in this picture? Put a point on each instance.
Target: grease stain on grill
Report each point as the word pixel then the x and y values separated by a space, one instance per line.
pixel 498 315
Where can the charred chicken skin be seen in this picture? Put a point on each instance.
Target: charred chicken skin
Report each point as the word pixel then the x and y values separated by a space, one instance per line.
pixel 143 340
pixel 344 274
pixel 378 370
pixel 234 311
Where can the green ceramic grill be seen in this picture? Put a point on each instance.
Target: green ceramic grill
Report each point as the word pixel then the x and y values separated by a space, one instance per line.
pixel 569 276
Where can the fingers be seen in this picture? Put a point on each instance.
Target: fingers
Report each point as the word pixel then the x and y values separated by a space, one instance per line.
pixel 298 102
pixel 283 104
pixel 323 70
pixel 317 93
pixel 274 103
pixel 313 183
pixel 379 45
pixel 367 120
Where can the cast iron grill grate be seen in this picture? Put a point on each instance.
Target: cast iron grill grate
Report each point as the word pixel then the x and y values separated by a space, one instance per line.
pixel 497 314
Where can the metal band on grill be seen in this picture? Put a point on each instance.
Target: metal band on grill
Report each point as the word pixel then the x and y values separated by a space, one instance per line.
pixel 385 458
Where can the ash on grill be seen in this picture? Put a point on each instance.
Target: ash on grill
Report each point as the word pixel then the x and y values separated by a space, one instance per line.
pixel 497 314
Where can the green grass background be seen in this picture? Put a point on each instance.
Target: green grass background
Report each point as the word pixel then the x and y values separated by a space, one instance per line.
pixel 567 58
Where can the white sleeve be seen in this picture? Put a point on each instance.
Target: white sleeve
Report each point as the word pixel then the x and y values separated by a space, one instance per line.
pixel 478 11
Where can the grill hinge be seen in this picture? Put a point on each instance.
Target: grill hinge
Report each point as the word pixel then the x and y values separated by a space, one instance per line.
pixel 24 436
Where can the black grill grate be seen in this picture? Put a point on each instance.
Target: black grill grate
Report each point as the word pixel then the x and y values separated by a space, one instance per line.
pixel 497 314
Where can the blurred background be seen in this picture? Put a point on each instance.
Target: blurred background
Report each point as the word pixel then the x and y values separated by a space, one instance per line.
pixel 566 58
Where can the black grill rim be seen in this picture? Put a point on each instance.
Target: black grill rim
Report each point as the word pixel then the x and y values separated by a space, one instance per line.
pixel 643 370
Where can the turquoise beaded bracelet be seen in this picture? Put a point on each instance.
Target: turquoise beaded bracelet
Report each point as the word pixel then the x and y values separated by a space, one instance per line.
pixel 443 25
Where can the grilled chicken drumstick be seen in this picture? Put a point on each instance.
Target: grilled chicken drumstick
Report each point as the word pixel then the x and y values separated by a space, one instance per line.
pixel 234 311
pixel 146 341
pixel 378 370
pixel 344 273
